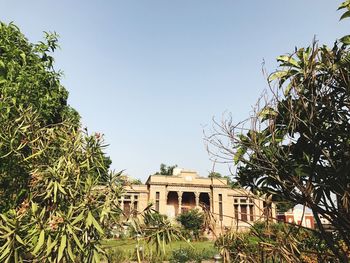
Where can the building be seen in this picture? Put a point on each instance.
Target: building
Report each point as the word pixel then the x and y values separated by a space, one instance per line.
pixel 185 190
pixel 297 216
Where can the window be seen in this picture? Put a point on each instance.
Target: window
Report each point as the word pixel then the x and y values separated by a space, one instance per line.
pixel 308 222
pixel 236 211
pixel 243 209
pixel 127 208
pixel 157 201
pixel 220 207
pixel 251 212
pixel 135 206
pixel 244 213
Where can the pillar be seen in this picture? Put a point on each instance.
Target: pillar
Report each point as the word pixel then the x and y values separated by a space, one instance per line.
pixel 248 212
pixel 179 196
pixel 197 199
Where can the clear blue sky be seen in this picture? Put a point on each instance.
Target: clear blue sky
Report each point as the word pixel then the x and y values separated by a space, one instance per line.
pixel 150 74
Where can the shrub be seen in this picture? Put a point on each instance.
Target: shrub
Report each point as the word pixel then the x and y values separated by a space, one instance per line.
pixel 192 222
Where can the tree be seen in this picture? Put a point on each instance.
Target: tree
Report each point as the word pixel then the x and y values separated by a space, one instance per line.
pixel 166 170
pixel 215 175
pixel 192 221
pixel 155 229
pixel 28 81
pixel 232 183
pixel 136 181
pixel 298 145
pixel 56 193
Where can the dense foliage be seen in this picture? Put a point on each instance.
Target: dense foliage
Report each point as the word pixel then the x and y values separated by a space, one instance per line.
pixel 297 146
pixel 155 229
pixel 56 193
pixel 192 221
pixel 166 169
pixel 273 243
pixel 28 83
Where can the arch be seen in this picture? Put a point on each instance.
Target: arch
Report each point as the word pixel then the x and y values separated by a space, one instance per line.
pixel 188 201
pixel 204 200
pixel 172 204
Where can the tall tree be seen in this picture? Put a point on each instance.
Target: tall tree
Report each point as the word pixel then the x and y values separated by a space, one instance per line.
pixel 166 169
pixel 297 146
pixel 56 192
pixel 28 82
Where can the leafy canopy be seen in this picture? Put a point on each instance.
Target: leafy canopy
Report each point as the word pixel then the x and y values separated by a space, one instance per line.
pixel 166 170
pixel 297 145
pixel 56 193
pixel 192 220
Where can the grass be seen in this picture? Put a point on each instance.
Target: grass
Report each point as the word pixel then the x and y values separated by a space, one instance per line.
pixel 124 250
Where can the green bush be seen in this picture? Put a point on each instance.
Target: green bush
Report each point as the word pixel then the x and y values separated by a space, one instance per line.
pixel 183 255
pixel 192 222
pixel 117 255
pixel 56 192
pixel 188 254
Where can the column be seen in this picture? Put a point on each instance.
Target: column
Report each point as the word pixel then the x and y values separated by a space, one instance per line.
pixel 179 196
pixel 211 203
pixel 239 212
pixel 248 212
pixel 197 199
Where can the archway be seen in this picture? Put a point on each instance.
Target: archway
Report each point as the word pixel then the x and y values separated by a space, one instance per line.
pixel 188 201
pixel 172 204
pixel 204 200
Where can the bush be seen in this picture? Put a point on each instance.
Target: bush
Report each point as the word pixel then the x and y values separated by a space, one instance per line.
pixel 188 254
pixel 117 255
pixel 192 222
pixel 184 255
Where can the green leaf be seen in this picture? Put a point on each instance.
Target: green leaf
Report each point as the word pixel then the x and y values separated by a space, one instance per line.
pixel 288 88
pixel 23 56
pixel 50 246
pixel 345 40
pixel 240 152
pixel 277 75
pixel 19 239
pixel 70 230
pixel 344 5
pixel 2 80
pixel 78 218
pixel 345 15
pixel 267 111
pixel 61 189
pixel 77 241
pixel 62 247
pixel 96 257
pixel 8 234
pixel 40 242
pixel 91 220
pixel 4 254
pixel 289 60
pixel 70 252
pixel 55 192
pixel 88 220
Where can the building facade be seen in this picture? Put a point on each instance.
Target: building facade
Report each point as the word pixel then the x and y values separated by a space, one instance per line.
pixel 185 190
pixel 297 216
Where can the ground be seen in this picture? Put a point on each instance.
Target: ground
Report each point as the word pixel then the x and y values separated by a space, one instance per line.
pixel 124 250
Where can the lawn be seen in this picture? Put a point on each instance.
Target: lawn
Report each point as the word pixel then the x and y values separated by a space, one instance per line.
pixel 124 250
